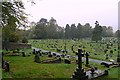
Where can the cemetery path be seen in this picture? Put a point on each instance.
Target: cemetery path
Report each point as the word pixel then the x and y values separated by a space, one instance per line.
pixel 92 60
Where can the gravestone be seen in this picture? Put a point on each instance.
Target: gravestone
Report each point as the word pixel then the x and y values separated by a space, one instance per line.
pixel 62 55
pixel 105 51
pixel 87 59
pixel 58 56
pixel 92 71
pixel 40 54
pixel 34 51
pixel 79 73
pixel 50 55
pixel 2 60
pixel 105 64
pixel 6 66
pixel 72 47
pixel 106 56
pixel 58 50
pixel 67 61
pixel 23 54
pixel 54 54
pixel 36 59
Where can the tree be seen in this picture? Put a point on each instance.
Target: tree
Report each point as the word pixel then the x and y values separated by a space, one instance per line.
pixel 109 31
pixel 52 28
pixel 73 31
pixel 79 31
pixel 97 32
pixel 104 31
pixel 117 33
pixel 40 31
pixel 13 17
pixel 87 31
pixel 13 14
pixel 67 31
pixel 59 32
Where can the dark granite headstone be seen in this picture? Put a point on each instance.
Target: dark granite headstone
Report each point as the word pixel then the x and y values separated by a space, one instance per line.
pixel 23 54
pixel 6 67
pixel 67 61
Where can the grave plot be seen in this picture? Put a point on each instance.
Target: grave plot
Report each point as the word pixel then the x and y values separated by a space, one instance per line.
pixel 81 74
pixel 52 57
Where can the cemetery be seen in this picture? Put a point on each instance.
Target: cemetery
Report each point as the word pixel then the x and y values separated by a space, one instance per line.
pixel 44 49
pixel 49 60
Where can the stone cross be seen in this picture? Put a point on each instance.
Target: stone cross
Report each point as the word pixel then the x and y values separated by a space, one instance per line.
pixel 80 59
pixel 87 59
pixel 79 73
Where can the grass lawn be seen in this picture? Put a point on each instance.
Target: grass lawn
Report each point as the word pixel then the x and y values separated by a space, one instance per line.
pixel 25 67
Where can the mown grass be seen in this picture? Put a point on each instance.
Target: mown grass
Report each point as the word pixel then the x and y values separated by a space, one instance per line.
pixel 25 67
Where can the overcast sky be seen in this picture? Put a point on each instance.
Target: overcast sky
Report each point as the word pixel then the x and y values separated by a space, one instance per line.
pixel 75 11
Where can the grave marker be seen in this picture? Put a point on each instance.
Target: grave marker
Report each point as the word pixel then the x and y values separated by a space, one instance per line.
pixel 79 73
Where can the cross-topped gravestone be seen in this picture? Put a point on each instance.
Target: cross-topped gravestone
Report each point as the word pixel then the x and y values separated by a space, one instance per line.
pixel 79 73
pixel 87 59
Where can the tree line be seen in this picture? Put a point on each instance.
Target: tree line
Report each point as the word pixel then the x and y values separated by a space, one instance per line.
pixel 45 29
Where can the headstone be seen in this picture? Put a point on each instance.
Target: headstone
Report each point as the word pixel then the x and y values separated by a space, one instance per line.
pixel 106 72
pixel 37 59
pixel 92 70
pixel 2 60
pixel 54 54
pixel 106 56
pixel 34 51
pixel 40 54
pixel 105 64
pixel 58 56
pixel 67 61
pixel 6 67
pixel 87 59
pixel 62 55
pixel 50 55
pixel 111 53
pixel 23 54
pixel 79 74
pixel 72 47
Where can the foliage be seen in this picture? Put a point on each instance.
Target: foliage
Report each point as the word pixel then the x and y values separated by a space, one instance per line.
pixel 44 29
pixel 13 17
pixel 107 31
pixel 13 14
pixel 24 40
pixel 117 33
pixel 67 31
pixel 97 32
pixel 10 35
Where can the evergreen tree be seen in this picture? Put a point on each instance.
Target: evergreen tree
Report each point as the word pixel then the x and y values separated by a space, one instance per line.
pixel 67 31
pixel 97 32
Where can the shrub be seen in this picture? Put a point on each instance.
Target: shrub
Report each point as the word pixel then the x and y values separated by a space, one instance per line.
pixel 24 40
